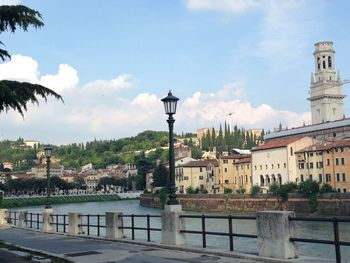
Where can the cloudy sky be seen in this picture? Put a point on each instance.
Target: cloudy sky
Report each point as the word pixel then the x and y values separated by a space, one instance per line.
pixel 112 61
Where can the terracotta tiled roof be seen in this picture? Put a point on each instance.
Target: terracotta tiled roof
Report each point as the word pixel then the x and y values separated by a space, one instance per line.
pixel 327 145
pixel 200 163
pixel 277 143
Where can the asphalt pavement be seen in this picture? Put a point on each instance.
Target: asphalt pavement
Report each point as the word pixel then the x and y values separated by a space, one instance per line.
pixel 90 250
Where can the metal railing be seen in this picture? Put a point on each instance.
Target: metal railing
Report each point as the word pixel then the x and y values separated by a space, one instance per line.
pixel 60 222
pixel 230 232
pixel 336 241
pixel 148 227
pixel 12 217
pixel 33 219
pixel 91 223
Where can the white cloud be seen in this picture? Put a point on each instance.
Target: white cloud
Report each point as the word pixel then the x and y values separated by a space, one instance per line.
pixel 66 78
pixel 211 109
pixel 98 109
pixel 103 87
pixel 9 2
pixel 26 69
pixel 227 6
pixel 21 68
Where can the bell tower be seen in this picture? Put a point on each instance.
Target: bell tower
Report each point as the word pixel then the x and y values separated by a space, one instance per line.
pixel 326 96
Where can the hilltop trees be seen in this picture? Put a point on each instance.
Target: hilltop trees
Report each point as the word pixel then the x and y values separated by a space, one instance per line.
pixel 227 139
pixel 13 94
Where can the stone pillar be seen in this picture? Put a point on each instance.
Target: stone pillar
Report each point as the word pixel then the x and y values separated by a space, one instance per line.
pixel 274 230
pixel 75 222
pixel 3 217
pixel 22 219
pixel 48 220
pixel 114 220
pixel 172 224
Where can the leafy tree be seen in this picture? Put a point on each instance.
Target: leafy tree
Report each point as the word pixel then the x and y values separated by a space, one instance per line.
pixel 196 153
pixel 255 190
pixel 160 176
pixel 327 188
pixel 309 187
pixel 228 191
pixel 13 94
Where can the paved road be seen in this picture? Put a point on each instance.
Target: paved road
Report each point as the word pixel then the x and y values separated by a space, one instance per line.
pixel 86 250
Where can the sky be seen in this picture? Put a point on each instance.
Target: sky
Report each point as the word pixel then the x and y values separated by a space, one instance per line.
pixel 246 62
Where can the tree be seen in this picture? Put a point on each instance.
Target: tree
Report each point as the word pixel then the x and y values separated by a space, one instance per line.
pixel 13 94
pixel 160 176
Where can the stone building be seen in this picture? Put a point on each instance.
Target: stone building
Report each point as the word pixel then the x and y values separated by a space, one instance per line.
pixel 275 161
pixel 326 162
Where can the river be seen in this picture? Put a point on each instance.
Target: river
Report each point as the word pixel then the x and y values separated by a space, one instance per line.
pixel 317 230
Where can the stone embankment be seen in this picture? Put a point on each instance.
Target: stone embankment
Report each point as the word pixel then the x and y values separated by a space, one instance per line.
pixel 328 204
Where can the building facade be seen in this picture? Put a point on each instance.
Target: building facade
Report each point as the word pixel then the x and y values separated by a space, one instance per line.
pixel 326 163
pixel 275 161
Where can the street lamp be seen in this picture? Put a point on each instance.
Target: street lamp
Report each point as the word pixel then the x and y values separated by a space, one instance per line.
pixel 170 103
pixel 48 154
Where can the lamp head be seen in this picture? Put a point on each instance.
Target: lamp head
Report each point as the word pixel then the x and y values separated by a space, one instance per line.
pixel 170 103
pixel 48 151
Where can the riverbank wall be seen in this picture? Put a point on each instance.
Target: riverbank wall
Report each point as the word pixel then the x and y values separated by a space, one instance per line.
pixel 328 204
pixel 56 199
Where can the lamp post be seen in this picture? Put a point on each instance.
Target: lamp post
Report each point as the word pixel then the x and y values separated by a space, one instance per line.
pixel 170 103
pixel 48 154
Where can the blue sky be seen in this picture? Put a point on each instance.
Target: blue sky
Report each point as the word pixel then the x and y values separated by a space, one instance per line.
pixel 113 61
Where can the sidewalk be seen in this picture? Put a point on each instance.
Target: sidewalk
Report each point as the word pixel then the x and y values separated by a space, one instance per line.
pixel 89 250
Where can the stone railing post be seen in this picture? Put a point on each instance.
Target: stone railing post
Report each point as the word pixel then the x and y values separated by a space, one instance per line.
pixel 172 224
pixel 75 222
pixel 274 231
pixel 3 217
pixel 22 219
pixel 114 220
pixel 48 220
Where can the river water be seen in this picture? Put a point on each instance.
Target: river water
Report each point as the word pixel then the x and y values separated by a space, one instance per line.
pixel 317 230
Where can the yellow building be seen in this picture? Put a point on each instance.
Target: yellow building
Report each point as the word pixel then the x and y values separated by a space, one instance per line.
pixel 242 174
pixel 326 162
pixel 201 174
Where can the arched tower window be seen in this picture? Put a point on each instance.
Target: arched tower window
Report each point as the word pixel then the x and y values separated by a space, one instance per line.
pixel 329 61
pixel 318 63
pixel 324 64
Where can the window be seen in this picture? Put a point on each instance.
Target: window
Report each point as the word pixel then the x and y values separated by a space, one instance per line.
pixel 311 165
pixel 247 166
pixel 266 166
pixel 260 167
pixel 271 166
pixel 301 165
pixel 201 177
pixel 285 165
pixel 324 64
pixel 311 154
pixel 242 167
pixel 344 190
pixel 310 176
pixel 336 161
pixel 291 151
pixel 254 167
pixel 341 149
pixel 328 177
pixel 338 177
pixel 278 165
pixel 302 178
pixel 236 167
pixel 318 63
pixel 334 134
pixel 343 175
pixel 246 178
pixel 225 161
pixel 329 61
pixel 320 165
pixel 225 169
pixel 328 162
pixel 185 177
pixel 200 169
pixel 342 161
pixel 226 181
pixel 320 178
